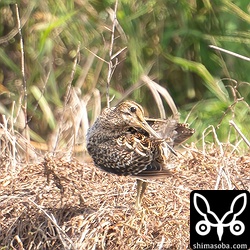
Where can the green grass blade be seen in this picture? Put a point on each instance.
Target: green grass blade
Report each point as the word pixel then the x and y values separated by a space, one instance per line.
pixel 5 59
pixel 200 69
pixel 48 115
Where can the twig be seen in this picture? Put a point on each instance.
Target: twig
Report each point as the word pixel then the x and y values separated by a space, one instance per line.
pixel 22 61
pixel 216 187
pixel 67 95
pixel 232 123
pixel 162 243
pixel 24 85
pixel 87 65
pixel 42 93
pixel 215 137
pixel 59 229
pixel 111 67
pixel 229 108
pixel 118 53
pixel 230 53
pixel 93 53
pixel 19 242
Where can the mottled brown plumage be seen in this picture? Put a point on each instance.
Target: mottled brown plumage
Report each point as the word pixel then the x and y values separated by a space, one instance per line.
pixel 122 141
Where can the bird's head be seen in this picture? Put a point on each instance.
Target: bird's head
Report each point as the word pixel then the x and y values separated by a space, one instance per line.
pixel 132 114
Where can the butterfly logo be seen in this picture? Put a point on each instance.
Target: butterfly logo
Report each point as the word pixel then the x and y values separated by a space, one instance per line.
pixel 203 227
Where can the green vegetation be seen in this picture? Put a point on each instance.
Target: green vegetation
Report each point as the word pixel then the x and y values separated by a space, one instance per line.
pixel 62 61
pixel 165 40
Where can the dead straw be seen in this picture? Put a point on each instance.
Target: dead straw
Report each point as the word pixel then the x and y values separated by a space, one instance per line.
pixel 62 203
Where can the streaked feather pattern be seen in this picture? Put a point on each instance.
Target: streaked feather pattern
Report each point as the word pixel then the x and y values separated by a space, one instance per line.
pixel 122 141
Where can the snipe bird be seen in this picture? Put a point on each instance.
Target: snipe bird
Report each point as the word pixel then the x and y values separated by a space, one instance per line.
pixel 123 142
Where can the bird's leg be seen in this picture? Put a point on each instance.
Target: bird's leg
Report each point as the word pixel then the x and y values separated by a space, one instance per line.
pixel 141 187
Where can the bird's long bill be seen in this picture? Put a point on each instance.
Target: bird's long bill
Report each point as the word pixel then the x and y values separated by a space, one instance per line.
pixel 146 127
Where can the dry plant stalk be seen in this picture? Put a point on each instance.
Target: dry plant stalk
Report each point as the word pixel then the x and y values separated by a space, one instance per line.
pixel 112 56
pixel 23 96
pixel 66 98
pixel 85 216
pixel 230 52
pixel 156 90
pixel 232 123
pixel 112 66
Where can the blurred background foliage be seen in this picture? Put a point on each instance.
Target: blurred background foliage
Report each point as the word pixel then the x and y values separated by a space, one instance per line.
pixel 166 40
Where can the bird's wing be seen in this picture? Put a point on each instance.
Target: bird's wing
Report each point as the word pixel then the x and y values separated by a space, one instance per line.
pixel 183 133
pixel 164 127
pixel 171 130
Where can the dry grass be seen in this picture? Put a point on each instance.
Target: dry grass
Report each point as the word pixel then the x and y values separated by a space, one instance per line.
pixel 58 202
pixel 63 203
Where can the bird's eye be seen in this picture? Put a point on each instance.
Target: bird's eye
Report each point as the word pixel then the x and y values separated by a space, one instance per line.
pixel 133 109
